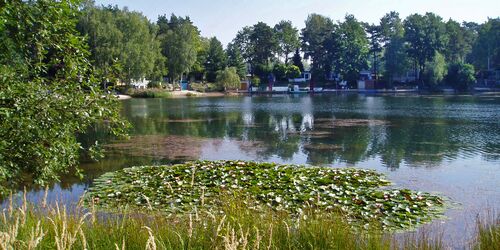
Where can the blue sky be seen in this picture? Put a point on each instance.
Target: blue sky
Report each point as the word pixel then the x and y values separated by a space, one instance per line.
pixel 223 18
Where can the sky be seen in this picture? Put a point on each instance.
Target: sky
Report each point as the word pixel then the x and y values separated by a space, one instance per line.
pixel 224 18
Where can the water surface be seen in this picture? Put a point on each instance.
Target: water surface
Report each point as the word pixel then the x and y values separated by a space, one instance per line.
pixel 444 144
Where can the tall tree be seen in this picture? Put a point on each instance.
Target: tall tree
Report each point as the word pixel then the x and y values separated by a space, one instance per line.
pixel 355 50
pixel 395 57
pixel 425 35
pixel 317 30
pixel 123 37
pixel 375 38
pixel 234 59
pixel 487 47
pixel 216 59
pixel 48 91
pixel 288 39
pixel 297 60
pixel 459 44
pixel 264 43
pixel 179 41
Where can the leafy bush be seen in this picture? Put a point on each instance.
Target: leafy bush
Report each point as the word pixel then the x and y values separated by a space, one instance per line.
pixel 149 93
pixel 280 71
pixel 255 81
pixel 460 76
pixel 228 78
pixel 435 70
pixel 293 72
pixel 49 92
pixel 200 87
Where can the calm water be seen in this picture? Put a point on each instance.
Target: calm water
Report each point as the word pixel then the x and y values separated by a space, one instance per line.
pixel 444 144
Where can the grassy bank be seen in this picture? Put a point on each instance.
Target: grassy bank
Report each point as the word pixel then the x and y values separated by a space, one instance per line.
pixel 149 93
pixel 236 227
pixel 53 226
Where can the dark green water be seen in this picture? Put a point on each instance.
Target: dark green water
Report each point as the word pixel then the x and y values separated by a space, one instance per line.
pixel 444 144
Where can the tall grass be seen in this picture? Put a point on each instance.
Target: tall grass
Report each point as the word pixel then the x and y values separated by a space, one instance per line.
pixel 488 233
pixel 234 227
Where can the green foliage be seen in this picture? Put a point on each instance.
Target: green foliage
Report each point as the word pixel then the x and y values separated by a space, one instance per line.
pixel 292 72
pixel 235 226
pixel 354 50
pixel 487 47
pixel 395 57
pixel 425 35
pixel 255 81
pixel 280 71
pixel 149 93
pixel 287 37
pixel 124 37
pixel 257 44
pixel 180 41
pixel 355 192
pixel 228 78
pixel 314 43
pixel 436 70
pixel 459 44
pixel 216 59
pixel 487 234
pixel 48 92
pixel 297 60
pixel 236 60
pixel 460 76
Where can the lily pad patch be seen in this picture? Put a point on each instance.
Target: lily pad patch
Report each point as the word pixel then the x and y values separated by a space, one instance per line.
pixel 356 193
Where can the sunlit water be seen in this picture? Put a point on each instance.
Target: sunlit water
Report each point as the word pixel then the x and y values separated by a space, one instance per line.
pixel 444 144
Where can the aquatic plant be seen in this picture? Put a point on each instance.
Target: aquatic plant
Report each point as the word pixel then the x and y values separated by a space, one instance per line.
pixel 355 193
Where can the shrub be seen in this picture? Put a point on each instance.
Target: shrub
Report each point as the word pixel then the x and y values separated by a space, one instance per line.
pixel 228 78
pixel 460 76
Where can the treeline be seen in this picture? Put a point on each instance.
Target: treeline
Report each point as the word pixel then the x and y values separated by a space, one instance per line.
pixel 434 51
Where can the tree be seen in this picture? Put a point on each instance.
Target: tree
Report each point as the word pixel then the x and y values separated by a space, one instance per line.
pixel 459 43
pixel 436 69
pixel 124 37
pixel 288 39
pixel 198 70
pixel 355 48
pixel 487 47
pixel 48 92
pixel 216 59
pixel 264 43
pixel 234 59
pixel 460 75
pixel 180 40
pixel 317 30
pixel 395 57
pixel 375 37
pixel 228 78
pixel 280 71
pixel 425 35
pixel 293 72
pixel 297 60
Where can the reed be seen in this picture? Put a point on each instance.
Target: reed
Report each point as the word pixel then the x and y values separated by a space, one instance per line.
pixel 234 227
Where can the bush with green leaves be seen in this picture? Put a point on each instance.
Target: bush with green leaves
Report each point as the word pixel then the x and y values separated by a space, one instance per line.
pixel 228 78
pixel 48 92
pixel 460 75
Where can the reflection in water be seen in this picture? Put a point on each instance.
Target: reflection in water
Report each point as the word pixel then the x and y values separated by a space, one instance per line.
pixel 415 131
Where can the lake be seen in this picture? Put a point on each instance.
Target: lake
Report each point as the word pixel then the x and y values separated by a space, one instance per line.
pixel 448 145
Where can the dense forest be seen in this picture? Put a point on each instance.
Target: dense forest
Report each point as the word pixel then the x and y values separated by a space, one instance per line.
pixel 435 51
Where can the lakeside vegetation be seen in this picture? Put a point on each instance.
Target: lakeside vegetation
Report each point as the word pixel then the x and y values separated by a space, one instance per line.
pixel 355 193
pixel 53 226
pixel 419 50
